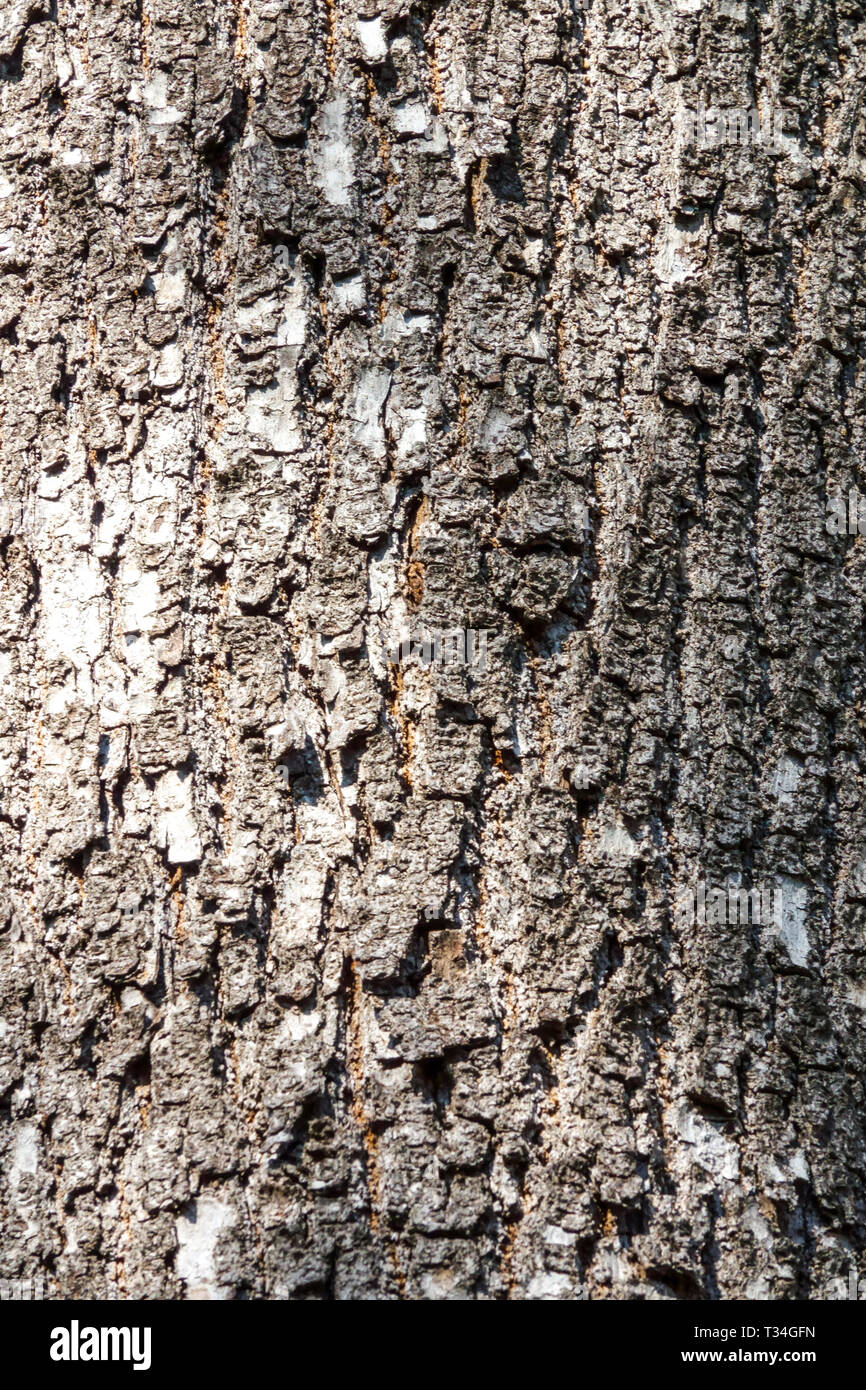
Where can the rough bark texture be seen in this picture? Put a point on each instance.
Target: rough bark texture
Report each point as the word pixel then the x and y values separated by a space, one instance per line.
pixel 322 324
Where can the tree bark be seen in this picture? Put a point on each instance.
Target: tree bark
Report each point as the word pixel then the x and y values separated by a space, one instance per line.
pixel 336 969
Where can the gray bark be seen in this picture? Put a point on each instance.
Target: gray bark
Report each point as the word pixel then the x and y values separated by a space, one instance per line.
pixel 327 970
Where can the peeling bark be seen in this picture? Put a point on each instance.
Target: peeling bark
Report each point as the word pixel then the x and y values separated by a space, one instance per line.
pixel 335 968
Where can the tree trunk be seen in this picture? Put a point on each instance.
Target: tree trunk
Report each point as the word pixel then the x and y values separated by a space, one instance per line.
pixel 342 956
